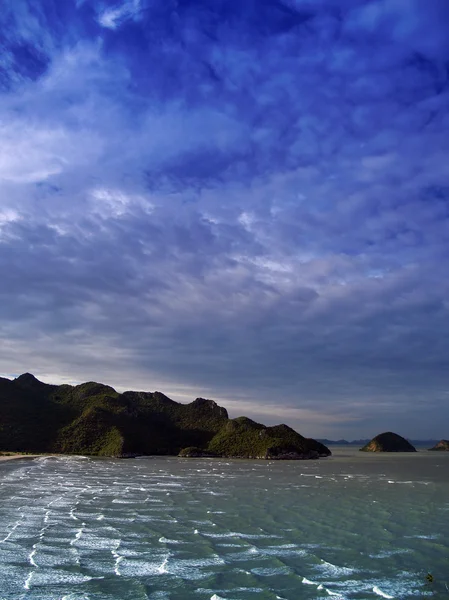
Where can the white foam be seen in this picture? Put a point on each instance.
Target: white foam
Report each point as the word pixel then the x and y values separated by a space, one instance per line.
pixel 27 583
pixel 388 553
pixel 118 560
pixel 335 570
pixel 78 534
pixel 379 592
pixel 269 572
pixel 31 556
pixel 237 534
pixel 42 531
pixel 170 484
pixel 230 545
pixel 163 568
pixel 336 594
pixel 13 528
pixel 433 536
pixel 285 550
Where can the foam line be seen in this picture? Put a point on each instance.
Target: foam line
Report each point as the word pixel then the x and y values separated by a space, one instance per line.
pixel 118 558
pixel 31 556
pixel 379 592
pixel 72 515
pixel 27 583
pixel 78 534
pixel 162 569
pixel 13 528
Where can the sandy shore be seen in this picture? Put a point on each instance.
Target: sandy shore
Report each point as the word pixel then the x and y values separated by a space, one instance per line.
pixel 16 456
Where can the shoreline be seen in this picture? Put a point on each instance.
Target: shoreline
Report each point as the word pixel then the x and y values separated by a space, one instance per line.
pixel 17 456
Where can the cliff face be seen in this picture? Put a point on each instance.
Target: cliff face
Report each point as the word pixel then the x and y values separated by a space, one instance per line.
pixel 388 442
pixel 443 445
pixel 94 419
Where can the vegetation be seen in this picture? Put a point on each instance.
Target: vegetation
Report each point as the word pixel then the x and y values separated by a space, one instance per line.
pixel 245 438
pixel 388 442
pixel 94 419
pixel 441 446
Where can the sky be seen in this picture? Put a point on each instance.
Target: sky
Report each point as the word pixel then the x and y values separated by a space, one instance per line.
pixel 244 200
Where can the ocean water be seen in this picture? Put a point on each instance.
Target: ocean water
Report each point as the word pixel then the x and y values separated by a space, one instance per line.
pixel 352 526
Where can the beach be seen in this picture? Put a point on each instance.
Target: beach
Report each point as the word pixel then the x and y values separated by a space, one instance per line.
pixel 6 457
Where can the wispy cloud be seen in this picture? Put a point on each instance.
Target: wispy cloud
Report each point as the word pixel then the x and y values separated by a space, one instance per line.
pixel 249 203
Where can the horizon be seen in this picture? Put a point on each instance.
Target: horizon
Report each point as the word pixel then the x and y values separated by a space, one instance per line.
pixel 231 416
pixel 243 201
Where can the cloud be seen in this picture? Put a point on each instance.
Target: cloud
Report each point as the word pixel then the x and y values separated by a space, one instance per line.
pixel 114 17
pixel 245 204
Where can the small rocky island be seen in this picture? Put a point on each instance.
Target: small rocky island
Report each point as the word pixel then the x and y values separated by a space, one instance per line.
pixel 388 442
pixel 94 419
pixel 442 445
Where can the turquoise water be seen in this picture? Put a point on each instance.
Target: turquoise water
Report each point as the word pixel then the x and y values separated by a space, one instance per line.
pixel 351 526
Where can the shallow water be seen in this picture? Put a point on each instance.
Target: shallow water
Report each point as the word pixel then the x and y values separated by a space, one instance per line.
pixel 351 526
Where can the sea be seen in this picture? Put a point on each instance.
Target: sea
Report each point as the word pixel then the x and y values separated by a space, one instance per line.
pixel 351 526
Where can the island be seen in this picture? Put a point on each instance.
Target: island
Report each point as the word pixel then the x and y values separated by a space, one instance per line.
pixel 388 442
pixel 442 445
pixel 94 419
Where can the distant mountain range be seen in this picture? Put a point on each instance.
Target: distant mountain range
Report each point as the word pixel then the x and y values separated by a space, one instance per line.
pixel 94 419
pixel 327 442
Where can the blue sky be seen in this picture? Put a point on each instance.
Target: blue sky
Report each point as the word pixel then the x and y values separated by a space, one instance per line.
pixel 244 200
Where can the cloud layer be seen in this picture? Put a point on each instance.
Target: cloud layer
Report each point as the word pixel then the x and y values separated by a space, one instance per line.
pixel 243 200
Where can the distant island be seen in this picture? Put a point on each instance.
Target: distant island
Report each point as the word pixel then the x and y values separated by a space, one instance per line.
pixel 442 445
pixel 327 442
pixel 363 442
pixel 388 442
pixel 94 419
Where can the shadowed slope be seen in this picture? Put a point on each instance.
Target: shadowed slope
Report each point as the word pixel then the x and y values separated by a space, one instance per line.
pixel 388 442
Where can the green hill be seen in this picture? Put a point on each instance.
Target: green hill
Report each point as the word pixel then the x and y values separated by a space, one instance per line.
pixel 388 442
pixel 245 438
pixel 94 419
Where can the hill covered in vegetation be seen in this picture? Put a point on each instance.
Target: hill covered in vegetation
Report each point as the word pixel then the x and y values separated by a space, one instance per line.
pixel 244 438
pixel 388 442
pixel 441 446
pixel 94 419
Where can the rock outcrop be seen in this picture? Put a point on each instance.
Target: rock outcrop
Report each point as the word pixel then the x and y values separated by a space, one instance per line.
pixel 443 445
pixel 388 442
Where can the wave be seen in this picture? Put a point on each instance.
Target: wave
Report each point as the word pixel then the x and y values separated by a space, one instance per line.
pixel 78 534
pixel 379 592
pixel 270 571
pixel 335 570
pixel 237 534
